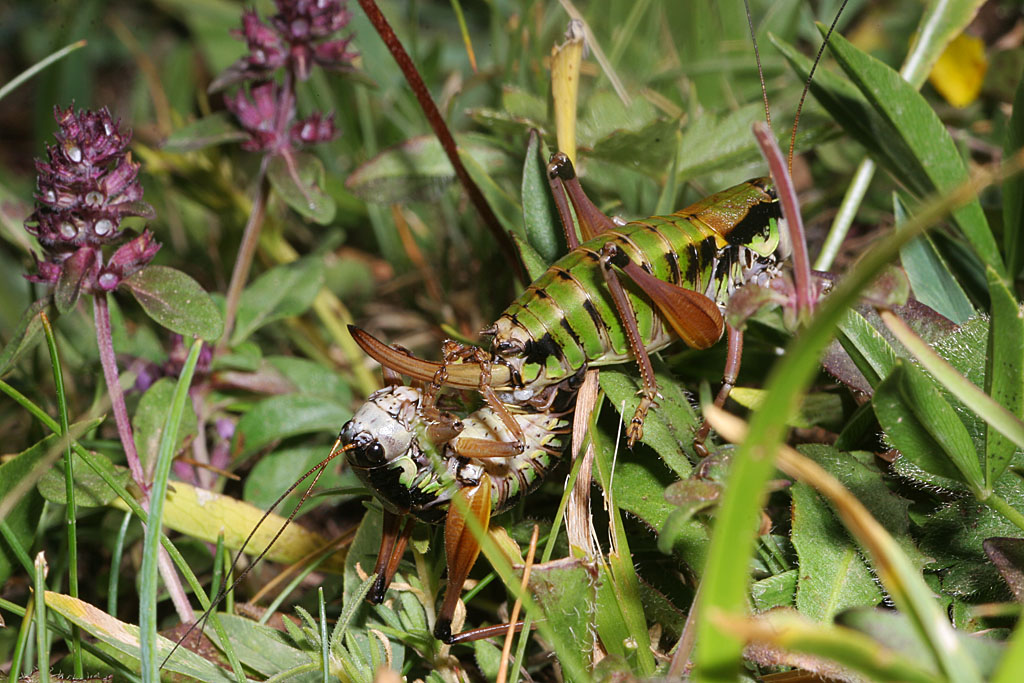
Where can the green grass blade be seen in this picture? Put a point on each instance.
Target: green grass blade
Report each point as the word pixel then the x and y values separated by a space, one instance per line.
pixel 148 588
pixel 726 574
pixel 622 587
pixel 928 158
pixel 42 633
pixel 123 494
pixel 1013 189
pixel 325 650
pixel 115 564
pixel 39 66
pixel 933 283
pixel 1004 376
pixel 71 509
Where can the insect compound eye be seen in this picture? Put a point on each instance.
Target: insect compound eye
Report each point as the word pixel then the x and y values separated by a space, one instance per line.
pixel 375 452
pixel 368 452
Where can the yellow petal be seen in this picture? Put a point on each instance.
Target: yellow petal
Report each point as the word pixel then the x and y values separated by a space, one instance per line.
pixel 960 70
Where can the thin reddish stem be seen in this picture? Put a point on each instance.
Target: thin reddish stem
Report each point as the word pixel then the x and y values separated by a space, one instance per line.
pixel 105 342
pixel 246 253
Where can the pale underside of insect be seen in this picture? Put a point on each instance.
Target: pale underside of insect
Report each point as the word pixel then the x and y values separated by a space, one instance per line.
pixel 418 461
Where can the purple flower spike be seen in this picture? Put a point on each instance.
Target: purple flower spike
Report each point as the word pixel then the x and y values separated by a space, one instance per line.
pixel 297 37
pixel 305 24
pixel 87 185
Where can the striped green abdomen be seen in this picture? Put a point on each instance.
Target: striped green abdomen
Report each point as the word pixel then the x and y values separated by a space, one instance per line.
pixel 566 319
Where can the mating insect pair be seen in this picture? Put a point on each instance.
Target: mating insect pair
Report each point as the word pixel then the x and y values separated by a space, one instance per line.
pixel 680 271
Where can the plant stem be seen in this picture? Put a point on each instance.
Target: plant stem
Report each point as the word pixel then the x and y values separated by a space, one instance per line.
pixel 105 342
pixel 444 135
pixel 70 508
pixel 246 252
pixel 108 360
pixel 42 642
pixel 845 215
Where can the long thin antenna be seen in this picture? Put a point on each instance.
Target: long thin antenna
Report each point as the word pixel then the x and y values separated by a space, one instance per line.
pixel 319 469
pixel 757 58
pixel 807 85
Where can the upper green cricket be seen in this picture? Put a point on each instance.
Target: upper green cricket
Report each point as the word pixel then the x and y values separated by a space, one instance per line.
pixel 566 319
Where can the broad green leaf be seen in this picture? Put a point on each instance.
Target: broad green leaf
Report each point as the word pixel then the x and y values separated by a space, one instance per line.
pixel 778 590
pixel 90 489
pixel 124 638
pixel 533 262
pixel 312 379
pixel 27 332
pixel 23 518
pixel 274 472
pixel 567 592
pixel 215 129
pixel 933 283
pixel 540 216
pixel 298 182
pixel 604 115
pixel 833 576
pixel 279 417
pixel 868 348
pixel 713 142
pixel 924 427
pixel 176 301
pixel 418 169
pixel 858 472
pixel 488 658
pixel 149 418
pixel 670 427
pixel 690 497
pixel 264 649
pixel 1004 375
pixel 651 147
pixel 639 486
pixel 933 165
pixel 281 292
pixel 506 208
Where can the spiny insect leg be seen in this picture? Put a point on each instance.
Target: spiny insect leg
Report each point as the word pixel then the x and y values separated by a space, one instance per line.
pixel 732 370
pixel 649 391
